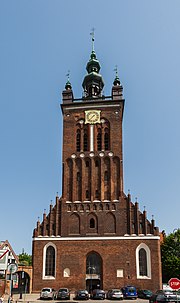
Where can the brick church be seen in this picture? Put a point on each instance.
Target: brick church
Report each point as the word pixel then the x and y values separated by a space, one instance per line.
pixel 94 235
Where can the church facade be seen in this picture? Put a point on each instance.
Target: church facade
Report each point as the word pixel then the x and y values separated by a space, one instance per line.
pixel 94 235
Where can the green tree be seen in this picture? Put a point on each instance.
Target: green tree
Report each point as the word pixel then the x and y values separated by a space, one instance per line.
pixel 170 255
pixel 25 259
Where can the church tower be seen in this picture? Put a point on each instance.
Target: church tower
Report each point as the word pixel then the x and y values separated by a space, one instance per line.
pixel 95 236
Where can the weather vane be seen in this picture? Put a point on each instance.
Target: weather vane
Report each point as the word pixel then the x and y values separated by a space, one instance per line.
pixel 92 34
pixel 68 75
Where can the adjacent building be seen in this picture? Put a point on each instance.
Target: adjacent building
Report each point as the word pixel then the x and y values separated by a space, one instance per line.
pixel 94 235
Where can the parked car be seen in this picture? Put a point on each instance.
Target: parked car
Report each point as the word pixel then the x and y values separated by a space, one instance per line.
pixel 98 294
pixel 114 294
pixel 63 293
pixel 163 296
pixel 144 293
pixel 48 293
pixel 177 294
pixel 129 292
pixel 81 294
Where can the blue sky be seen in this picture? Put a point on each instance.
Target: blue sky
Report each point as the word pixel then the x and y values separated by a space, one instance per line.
pixel 40 40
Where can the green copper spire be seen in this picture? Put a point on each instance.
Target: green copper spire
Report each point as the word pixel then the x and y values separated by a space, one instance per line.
pixel 93 82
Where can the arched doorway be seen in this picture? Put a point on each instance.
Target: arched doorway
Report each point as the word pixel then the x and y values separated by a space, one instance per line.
pixel 21 283
pixel 93 272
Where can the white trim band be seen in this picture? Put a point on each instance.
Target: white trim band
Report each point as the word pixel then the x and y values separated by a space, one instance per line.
pixel 59 238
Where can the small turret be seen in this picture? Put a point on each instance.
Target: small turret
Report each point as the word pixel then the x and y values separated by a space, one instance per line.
pixel 117 89
pixel 68 93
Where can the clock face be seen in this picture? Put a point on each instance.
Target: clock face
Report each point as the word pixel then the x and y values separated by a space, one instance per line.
pixel 92 116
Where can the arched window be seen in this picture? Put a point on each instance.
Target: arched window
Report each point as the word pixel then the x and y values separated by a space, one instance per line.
pixel 106 176
pixel 50 261
pixel 87 194
pixel 92 223
pixel 97 194
pixel 78 176
pixel 94 207
pixel 99 140
pixel 106 139
pixel 143 262
pixel 85 140
pixel 78 140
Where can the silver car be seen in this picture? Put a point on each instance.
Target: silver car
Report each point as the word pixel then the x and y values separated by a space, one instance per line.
pixel 48 293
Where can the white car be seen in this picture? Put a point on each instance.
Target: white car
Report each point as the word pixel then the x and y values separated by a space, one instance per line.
pixel 48 293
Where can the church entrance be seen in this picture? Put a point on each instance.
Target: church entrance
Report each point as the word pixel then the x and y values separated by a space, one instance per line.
pixel 93 272
pixel 21 283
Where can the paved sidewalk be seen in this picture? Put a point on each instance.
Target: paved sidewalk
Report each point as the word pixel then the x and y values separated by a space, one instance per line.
pixel 25 298
pixel 30 298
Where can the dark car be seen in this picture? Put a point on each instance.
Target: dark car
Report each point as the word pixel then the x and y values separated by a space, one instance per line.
pixel 98 294
pixel 129 292
pixel 163 296
pixel 63 294
pixel 144 293
pixel 81 295
pixel 114 294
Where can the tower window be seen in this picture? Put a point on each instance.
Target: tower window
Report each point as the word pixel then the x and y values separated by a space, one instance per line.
pixel 97 193
pixel 87 194
pixel 78 177
pixel 78 140
pixel 87 163
pixel 97 163
pixel 99 140
pixel 85 141
pixel 106 176
pixel 106 139
pixel 92 223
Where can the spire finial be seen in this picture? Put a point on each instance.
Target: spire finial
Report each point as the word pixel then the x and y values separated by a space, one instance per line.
pixel 68 83
pixel 68 75
pixel 92 34
pixel 116 80
pixel 116 70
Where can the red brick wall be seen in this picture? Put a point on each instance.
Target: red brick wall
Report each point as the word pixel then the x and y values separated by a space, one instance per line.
pixel 115 254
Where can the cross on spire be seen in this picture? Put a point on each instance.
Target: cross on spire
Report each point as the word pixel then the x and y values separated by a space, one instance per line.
pixel 92 34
